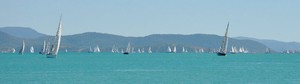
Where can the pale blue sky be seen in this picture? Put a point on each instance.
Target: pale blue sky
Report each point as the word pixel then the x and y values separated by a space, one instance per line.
pixel 264 19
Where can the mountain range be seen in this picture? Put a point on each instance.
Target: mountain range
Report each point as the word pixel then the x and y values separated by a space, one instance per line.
pixel 274 44
pixel 12 37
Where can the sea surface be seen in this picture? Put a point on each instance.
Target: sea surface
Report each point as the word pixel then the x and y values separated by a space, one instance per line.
pixel 155 68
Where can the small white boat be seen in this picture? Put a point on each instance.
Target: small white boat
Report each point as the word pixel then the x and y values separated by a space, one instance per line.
pixel 31 49
pixel 149 50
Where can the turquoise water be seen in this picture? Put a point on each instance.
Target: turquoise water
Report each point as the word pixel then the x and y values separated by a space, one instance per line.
pixel 155 68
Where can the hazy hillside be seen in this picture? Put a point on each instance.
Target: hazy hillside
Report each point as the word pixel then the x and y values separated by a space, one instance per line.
pixel 275 45
pixel 158 42
pixel 22 32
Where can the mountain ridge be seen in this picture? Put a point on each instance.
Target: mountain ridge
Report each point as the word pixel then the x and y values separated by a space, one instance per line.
pixel 22 32
pixel 159 42
pixel 275 44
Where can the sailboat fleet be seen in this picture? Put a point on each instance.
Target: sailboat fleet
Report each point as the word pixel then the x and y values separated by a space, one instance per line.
pixel 51 48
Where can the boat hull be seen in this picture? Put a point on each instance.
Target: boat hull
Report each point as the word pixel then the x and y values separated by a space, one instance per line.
pixel 126 53
pixel 221 54
pixel 51 56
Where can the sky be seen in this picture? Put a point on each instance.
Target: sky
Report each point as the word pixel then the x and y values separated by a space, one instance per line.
pixel 262 19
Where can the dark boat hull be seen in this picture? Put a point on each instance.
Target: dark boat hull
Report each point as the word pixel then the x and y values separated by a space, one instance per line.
pixel 126 53
pixel 221 54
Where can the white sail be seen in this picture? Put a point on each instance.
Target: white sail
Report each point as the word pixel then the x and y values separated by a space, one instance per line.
pixel 113 49
pixel 174 50
pixel 47 50
pixel 201 50
pixel 224 44
pixel 13 50
pixel 196 51
pixel 43 50
pixel 139 51
pixel 149 50
pixel 90 50
pixel 132 50
pixel 97 49
pixel 143 50
pixel 240 50
pixel 183 50
pixel 169 49
pixel 233 50
pixel 267 50
pixel 22 48
pixel 31 49
pixel 56 44
pixel 128 48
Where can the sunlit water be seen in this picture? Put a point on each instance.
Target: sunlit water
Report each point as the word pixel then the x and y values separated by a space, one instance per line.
pixel 155 68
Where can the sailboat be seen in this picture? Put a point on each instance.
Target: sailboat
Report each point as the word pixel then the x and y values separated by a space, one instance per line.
pixel 169 49
pixel 149 50
pixel 31 49
pixel 22 48
pixel 267 50
pixel 127 49
pixel 44 48
pixel 233 50
pixel 47 49
pixel 90 50
pixel 143 50
pixel 114 49
pixel 139 51
pixel 96 49
pixel 201 50
pixel 56 44
pixel 13 50
pixel 174 49
pixel 223 49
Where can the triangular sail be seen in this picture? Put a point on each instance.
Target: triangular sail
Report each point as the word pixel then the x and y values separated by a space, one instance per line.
pixel 56 43
pixel 128 48
pixel 31 49
pixel 149 50
pixel 43 51
pixel 224 44
pixel 22 48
